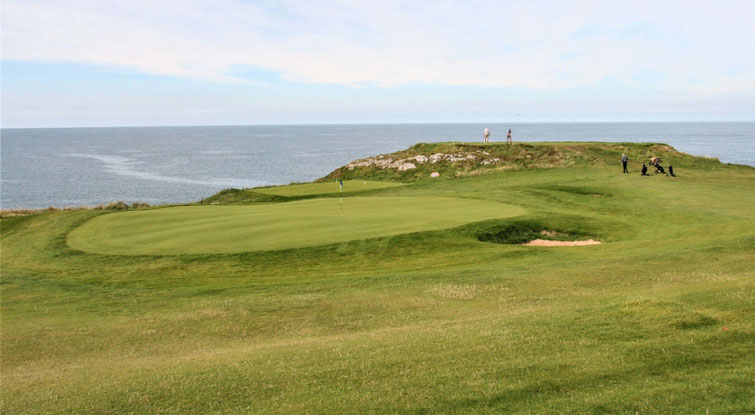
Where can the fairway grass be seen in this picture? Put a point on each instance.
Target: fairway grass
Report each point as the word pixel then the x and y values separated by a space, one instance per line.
pixel 229 229
pixel 659 319
pixel 330 187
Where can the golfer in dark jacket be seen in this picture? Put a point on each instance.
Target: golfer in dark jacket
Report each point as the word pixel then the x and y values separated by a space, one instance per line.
pixel 624 161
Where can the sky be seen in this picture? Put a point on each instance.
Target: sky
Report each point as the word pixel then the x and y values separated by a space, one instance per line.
pixel 196 62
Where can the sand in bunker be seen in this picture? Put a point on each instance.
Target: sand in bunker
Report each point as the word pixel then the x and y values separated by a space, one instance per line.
pixel 543 242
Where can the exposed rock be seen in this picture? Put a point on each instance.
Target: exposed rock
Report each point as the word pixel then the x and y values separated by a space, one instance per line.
pixel 406 166
pixel 383 163
pixel 435 174
pixel 403 164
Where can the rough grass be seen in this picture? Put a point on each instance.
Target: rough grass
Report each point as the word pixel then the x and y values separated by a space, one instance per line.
pixel 523 231
pixel 115 205
pixel 657 320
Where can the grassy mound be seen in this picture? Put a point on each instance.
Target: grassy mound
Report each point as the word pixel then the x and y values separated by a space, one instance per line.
pixel 472 159
pixel 229 229
pixel 658 320
pixel 523 231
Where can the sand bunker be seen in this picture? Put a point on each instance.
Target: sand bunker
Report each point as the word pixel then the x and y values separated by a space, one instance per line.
pixel 543 242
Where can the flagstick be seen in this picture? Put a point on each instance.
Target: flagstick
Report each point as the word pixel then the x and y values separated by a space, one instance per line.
pixel 340 196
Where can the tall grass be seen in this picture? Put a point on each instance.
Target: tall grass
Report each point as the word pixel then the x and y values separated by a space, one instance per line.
pixel 115 205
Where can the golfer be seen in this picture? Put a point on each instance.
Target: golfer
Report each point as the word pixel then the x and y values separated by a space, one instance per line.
pixel 624 161
pixel 485 136
pixel 508 137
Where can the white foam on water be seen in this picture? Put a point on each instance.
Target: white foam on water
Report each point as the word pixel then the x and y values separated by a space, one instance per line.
pixel 124 166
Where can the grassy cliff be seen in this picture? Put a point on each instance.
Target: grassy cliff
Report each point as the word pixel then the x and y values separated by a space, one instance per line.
pixel 459 318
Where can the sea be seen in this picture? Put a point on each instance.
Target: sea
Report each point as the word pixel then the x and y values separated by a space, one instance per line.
pixel 88 166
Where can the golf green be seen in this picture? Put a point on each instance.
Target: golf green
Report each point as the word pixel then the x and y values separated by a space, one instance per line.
pixel 309 189
pixel 229 229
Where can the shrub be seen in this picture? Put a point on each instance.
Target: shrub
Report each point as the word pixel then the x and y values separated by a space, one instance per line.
pixel 117 205
pixel 140 205
pixel 11 213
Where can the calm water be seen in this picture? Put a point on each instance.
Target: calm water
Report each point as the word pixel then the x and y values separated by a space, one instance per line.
pixel 87 166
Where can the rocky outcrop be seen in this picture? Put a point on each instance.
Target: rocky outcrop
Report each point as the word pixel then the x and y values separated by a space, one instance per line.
pixel 403 164
pixel 406 166
pixel 450 160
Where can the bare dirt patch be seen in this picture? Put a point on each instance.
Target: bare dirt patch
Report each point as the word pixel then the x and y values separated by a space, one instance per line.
pixel 544 242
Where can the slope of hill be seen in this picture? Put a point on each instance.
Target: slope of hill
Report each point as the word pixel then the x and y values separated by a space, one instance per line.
pixel 470 159
pixel 457 317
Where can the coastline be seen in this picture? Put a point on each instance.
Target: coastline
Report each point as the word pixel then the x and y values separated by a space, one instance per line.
pixel 408 158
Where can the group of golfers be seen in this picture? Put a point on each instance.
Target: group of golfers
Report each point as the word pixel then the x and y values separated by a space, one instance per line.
pixel 655 162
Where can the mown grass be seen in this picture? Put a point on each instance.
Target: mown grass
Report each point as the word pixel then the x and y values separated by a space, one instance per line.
pixel 228 229
pixel 321 188
pixel 427 322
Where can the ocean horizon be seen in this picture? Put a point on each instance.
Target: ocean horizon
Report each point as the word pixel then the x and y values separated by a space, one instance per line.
pixel 73 166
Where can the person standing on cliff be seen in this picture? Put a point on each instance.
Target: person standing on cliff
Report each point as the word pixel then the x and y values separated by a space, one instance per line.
pixel 624 161
pixel 485 136
pixel 508 138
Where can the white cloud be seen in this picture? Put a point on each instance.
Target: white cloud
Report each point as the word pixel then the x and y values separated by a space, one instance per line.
pixel 690 45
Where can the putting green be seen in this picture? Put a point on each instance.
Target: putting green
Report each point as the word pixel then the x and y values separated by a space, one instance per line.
pixel 228 229
pixel 309 189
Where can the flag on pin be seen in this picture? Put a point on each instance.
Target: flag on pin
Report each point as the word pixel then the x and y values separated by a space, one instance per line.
pixel 340 194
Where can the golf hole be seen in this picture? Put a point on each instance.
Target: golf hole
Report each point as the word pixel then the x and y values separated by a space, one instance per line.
pixel 211 229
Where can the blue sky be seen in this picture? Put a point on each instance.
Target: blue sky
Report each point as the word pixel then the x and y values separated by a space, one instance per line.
pixel 196 62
